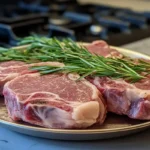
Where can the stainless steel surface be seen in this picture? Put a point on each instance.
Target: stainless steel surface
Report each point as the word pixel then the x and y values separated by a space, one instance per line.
pixel 114 126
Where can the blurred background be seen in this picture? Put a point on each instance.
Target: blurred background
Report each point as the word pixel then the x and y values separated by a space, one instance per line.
pixel 117 22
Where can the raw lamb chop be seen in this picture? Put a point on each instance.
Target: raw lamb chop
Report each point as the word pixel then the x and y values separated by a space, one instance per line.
pixel 9 73
pixel 124 98
pixel 103 49
pixel 54 101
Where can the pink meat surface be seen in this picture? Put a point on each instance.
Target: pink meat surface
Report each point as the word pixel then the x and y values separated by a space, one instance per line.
pixel 9 73
pixel 124 98
pixel 103 49
pixel 11 63
pixel 54 101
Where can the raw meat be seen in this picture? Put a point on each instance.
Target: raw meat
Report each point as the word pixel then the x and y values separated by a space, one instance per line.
pixel 11 63
pixel 124 98
pixel 9 73
pixel 54 101
pixel 102 48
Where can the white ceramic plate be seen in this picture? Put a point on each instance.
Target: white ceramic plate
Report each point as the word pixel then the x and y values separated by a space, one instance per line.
pixel 114 125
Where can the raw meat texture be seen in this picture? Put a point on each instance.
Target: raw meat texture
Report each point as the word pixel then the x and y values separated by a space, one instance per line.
pixel 124 98
pixel 9 73
pixel 11 63
pixel 54 101
pixel 102 48
pixel 7 65
pixel 11 69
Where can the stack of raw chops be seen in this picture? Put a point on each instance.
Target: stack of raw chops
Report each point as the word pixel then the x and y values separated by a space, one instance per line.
pixel 59 101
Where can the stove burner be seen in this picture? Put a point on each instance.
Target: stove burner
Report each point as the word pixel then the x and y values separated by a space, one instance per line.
pixel 98 31
pixel 135 19
pixel 34 8
pixel 60 21
pixel 69 18
pixel 60 32
pixel 113 23
pixel 95 29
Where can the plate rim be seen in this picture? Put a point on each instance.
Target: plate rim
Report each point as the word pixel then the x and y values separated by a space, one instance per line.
pixel 77 131
pixel 83 131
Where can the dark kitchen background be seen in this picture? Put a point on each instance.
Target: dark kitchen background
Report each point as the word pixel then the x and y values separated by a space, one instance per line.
pixel 74 19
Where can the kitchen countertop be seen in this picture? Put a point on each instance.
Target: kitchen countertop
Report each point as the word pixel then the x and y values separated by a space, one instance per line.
pixel 10 140
pixel 14 141
pixel 142 46
pixel 137 5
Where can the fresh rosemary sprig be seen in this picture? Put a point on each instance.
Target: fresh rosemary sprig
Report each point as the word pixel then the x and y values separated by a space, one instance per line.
pixel 77 59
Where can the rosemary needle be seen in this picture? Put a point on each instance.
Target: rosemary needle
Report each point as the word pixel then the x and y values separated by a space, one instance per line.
pixel 77 59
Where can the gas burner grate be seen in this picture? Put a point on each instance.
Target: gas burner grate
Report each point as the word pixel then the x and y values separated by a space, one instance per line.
pixel 65 18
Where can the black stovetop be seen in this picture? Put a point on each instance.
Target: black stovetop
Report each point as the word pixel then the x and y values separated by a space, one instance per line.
pixel 65 18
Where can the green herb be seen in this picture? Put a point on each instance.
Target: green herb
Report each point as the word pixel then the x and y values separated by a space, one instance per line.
pixel 77 59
